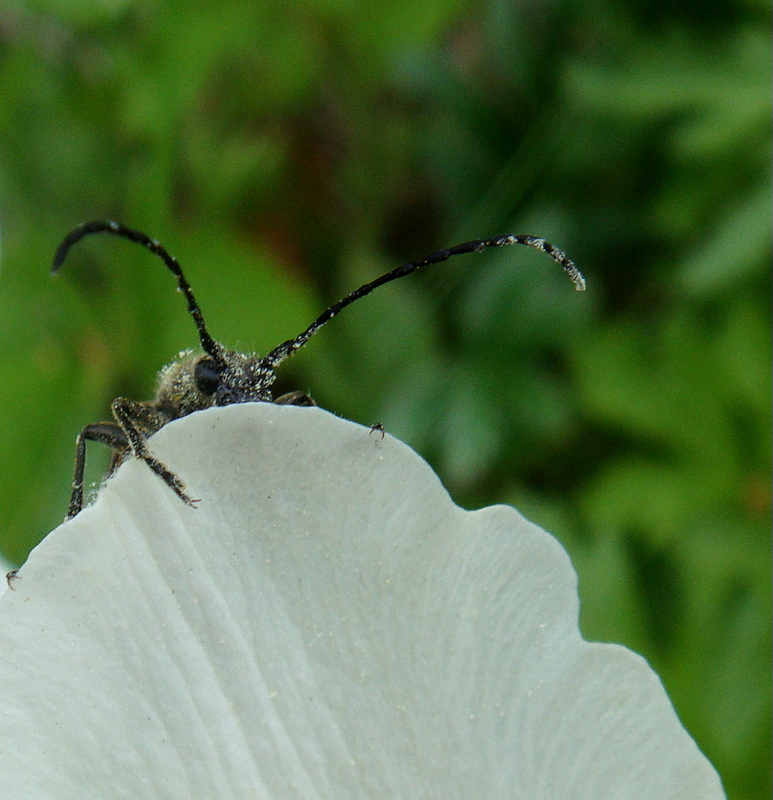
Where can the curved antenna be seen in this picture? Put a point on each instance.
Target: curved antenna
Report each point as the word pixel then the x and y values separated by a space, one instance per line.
pixel 280 353
pixel 208 344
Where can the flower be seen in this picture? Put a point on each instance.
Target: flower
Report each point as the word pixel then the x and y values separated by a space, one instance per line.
pixel 325 624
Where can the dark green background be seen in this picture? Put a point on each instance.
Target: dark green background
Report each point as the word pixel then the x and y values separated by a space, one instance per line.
pixel 288 151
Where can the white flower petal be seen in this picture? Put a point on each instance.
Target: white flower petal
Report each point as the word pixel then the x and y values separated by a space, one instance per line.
pixel 326 624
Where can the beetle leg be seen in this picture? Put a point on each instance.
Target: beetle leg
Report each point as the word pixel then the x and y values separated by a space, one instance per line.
pixel 296 398
pixel 108 433
pixel 133 417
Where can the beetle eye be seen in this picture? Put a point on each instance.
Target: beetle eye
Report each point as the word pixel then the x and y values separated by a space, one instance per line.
pixel 206 376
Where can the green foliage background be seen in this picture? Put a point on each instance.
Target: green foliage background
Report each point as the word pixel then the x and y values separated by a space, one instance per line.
pixel 287 152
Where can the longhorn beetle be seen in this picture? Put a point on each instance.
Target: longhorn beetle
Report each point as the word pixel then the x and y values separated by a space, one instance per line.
pixel 220 377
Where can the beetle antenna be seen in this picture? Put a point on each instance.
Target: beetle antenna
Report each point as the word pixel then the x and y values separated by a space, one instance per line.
pixel 208 344
pixel 280 353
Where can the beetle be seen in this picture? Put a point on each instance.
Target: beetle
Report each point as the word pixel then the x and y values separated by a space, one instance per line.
pixel 221 377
